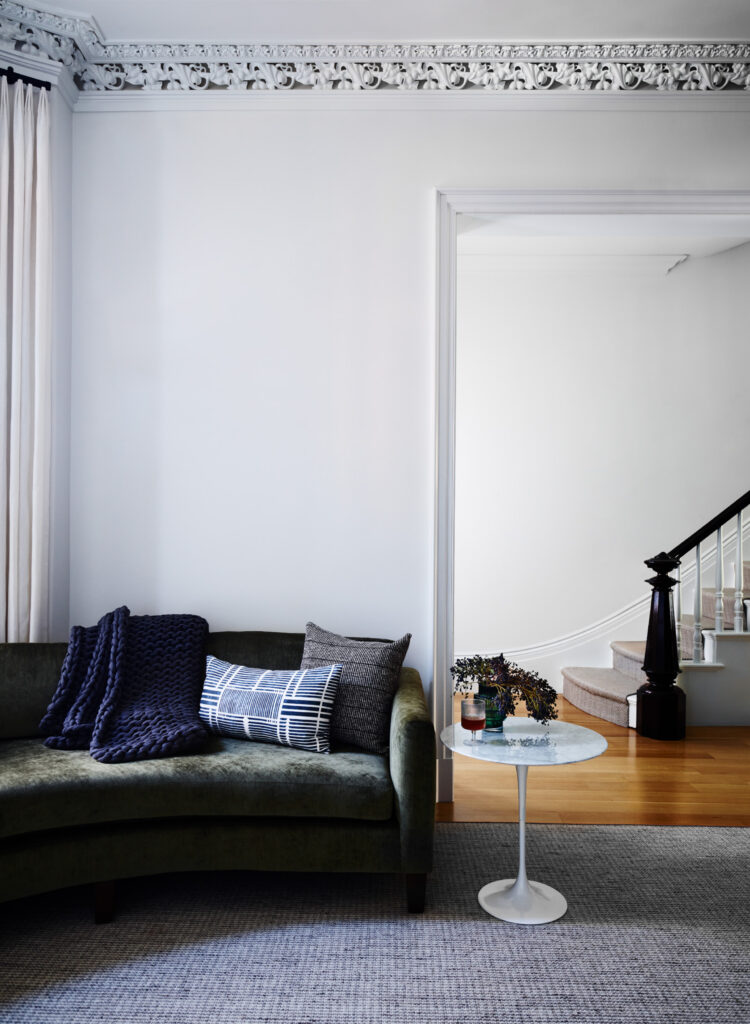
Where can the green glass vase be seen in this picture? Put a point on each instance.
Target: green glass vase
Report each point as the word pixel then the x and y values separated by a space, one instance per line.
pixel 495 718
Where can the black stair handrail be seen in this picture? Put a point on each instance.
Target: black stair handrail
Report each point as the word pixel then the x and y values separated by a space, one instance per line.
pixel 711 526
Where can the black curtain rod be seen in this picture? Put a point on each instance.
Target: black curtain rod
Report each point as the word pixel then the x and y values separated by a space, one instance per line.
pixel 14 76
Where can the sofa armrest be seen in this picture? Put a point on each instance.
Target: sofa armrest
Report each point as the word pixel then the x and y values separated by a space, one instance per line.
pixel 412 764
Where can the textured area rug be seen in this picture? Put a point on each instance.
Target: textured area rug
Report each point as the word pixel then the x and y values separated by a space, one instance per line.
pixel 656 931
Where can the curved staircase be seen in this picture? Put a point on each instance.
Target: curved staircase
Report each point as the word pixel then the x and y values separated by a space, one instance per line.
pixel 717 684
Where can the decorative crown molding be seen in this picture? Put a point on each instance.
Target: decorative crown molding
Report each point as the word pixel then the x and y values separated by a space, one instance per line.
pixel 98 66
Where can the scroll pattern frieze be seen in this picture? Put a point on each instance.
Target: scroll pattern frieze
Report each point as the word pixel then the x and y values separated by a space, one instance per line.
pixel 424 75
pixel 31 39
pixel 495 67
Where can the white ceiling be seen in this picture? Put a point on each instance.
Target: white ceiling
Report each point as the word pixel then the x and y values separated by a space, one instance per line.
pixel 251 21
pixel 632 235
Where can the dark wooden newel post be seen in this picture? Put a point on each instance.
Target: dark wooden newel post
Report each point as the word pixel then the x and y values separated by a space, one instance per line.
pixel 661 703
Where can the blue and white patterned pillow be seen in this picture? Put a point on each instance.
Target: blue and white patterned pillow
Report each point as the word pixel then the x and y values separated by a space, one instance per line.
pixel 290 708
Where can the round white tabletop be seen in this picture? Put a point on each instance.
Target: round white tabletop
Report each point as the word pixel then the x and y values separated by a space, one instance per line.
pixel 524 743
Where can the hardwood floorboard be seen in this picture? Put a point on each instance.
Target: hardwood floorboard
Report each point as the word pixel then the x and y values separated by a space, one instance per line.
pixel 701 780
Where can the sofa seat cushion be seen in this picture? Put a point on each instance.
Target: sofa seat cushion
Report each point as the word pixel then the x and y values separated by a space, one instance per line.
pixel 42 788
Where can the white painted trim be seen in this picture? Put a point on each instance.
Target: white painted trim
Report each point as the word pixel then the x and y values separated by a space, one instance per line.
pixel 398 50
pixel 67 87
pixel 487 201
pixel 360 76
pixel 185 67
pixel 135 100
pixel 602 628
pixel 444 780
pixel 445 474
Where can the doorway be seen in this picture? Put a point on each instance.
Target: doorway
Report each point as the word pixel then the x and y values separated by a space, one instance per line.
pixel 510 233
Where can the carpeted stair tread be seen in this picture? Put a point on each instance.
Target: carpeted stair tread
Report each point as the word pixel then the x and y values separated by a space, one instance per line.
pixel 708 617
pixel 627 657
pixel 633 649
pixel 685 632
pixel 604 682
pixel 745 574
pixel 599 691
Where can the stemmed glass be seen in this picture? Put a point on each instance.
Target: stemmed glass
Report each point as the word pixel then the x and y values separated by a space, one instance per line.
pixel 473 717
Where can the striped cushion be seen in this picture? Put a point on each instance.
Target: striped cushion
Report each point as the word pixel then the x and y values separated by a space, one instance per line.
pixel 292 708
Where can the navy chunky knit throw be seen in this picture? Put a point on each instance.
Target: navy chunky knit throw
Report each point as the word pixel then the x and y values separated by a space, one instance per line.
pixel 130 688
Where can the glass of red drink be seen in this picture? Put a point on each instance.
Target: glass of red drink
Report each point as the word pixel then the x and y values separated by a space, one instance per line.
pixel 473 717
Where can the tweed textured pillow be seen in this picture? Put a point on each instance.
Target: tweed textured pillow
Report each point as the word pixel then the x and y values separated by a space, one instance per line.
pixel 362 709
pixel 292 708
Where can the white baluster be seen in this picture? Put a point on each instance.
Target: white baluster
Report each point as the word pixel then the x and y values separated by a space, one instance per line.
pixel 739 572
pixel 697 637
pixel 719 584
pixel 678 612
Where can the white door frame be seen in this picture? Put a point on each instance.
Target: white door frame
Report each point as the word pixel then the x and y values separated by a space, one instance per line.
pixel 450 203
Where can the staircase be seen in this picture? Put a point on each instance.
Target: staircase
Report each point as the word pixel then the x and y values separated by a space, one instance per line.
pixel 714 665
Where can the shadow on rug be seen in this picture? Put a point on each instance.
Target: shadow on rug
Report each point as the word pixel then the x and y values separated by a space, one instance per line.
pixel 656 931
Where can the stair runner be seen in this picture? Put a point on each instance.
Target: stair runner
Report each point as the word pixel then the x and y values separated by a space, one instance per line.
pixel 603 692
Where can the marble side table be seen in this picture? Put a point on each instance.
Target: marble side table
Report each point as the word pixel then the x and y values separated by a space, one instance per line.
pixel 523 743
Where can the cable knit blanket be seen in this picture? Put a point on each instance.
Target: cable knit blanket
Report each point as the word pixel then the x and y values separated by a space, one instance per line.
pixel 130 688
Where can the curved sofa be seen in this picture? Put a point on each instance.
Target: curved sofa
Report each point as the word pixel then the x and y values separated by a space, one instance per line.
pixel 66 819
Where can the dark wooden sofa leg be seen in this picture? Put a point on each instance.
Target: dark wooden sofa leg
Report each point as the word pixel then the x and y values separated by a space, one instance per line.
pixel 104 902
pixel 415 893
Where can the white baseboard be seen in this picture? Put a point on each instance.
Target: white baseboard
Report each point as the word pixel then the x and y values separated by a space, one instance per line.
pixel 445 780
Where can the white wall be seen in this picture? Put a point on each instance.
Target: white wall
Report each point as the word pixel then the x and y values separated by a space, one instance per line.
pixel 602 416
pixel 254 339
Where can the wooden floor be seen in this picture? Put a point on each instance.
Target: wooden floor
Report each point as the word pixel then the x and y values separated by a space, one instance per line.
pixel 701 780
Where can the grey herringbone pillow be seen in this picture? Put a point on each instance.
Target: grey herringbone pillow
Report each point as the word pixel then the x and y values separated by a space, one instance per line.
pixel 362 707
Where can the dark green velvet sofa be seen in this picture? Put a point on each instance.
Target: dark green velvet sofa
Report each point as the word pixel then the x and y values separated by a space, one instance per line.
pixel 66 819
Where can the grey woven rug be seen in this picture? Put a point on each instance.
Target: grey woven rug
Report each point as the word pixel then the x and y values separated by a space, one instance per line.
pixel 657 931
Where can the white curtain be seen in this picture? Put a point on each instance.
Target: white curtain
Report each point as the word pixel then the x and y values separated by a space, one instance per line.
pixel 25 361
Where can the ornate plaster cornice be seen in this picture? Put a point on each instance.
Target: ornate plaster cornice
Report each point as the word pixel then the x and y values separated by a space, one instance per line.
pixel 99 66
